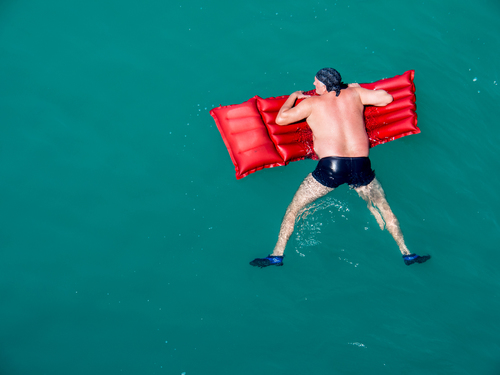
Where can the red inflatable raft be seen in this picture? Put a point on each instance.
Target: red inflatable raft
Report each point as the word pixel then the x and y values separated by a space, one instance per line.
pixel 254 141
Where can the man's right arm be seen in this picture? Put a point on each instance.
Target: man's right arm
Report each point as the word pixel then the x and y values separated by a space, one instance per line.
pixel 378 98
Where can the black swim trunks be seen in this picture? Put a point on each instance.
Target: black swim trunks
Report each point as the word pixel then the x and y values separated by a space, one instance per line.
pixel 334 171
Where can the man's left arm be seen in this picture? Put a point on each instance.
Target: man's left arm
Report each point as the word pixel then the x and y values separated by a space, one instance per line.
pixel 289 114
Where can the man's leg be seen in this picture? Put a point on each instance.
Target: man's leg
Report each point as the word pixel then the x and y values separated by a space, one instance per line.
pixel 374 196
pixel 308 192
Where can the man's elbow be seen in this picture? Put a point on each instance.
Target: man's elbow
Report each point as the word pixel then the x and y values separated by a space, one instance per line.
pixel 389 99
pixel 280 120
pixel 385 99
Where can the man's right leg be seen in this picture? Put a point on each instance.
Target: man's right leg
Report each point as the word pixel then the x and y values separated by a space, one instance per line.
pixel 374 196
pixel 308 192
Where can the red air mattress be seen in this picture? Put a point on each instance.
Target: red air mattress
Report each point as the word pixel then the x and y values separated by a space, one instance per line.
pixel 254 141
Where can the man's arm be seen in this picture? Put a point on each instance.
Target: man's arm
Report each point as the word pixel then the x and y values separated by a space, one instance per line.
pixel 379 98
pixel 289 114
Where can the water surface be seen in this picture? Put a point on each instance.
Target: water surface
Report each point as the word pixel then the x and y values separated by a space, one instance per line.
pixel 125 238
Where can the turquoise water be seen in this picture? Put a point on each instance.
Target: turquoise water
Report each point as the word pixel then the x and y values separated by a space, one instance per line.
pixel 125 238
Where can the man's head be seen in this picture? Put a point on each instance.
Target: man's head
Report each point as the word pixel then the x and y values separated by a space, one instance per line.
pixel 331 79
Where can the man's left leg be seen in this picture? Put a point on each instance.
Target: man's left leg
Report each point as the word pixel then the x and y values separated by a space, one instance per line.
pixel 308 192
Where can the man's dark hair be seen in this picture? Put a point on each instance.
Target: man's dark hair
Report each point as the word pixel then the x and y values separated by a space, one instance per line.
pixel 331 79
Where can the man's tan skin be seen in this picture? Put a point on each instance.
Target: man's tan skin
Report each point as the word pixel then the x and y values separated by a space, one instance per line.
pixel 338 128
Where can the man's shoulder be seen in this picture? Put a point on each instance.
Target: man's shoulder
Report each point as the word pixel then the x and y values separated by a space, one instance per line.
pixel 353 90
pixel 350 93
pixel 315 99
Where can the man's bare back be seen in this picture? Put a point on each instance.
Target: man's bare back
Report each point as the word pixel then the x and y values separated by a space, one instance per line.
pixel 338 125
pixel 337 122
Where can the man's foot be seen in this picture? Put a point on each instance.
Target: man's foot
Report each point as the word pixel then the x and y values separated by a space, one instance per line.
pixel 270 260
pixel 414 258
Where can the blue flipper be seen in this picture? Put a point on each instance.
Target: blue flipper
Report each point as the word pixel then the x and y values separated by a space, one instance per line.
pixel 270 260
pixel 414 258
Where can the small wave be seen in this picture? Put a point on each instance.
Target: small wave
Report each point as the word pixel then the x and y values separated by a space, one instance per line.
pixel 309 223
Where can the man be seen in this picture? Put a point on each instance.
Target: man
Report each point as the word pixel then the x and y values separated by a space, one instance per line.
pixel 340 140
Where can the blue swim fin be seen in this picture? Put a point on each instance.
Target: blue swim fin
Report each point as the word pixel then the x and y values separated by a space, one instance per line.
pixel 270 260
pixel 414 258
